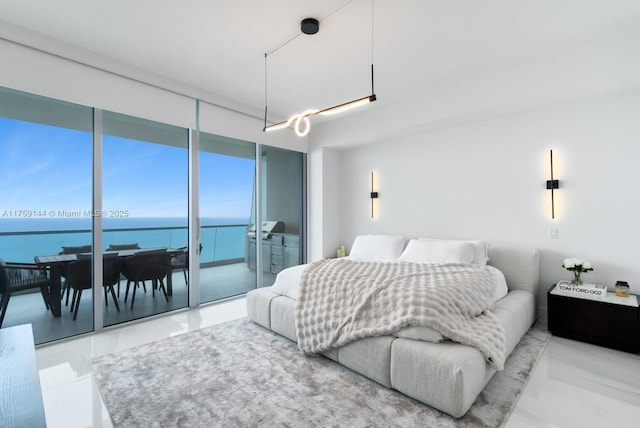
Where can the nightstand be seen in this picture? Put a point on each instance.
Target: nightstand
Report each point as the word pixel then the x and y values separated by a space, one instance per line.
pixel 613 322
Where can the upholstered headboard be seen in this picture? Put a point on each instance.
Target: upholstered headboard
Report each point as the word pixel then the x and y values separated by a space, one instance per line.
pixel 520 266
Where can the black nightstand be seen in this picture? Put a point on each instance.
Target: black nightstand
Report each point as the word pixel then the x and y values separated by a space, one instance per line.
pixel 601 322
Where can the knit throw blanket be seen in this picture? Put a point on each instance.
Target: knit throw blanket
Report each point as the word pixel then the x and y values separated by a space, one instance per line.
pixel 343 300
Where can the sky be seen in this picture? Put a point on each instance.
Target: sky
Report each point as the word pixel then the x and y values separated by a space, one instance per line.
pixel 47 170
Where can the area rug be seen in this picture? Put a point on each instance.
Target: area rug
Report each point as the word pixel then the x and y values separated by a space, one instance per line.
pixel 239 374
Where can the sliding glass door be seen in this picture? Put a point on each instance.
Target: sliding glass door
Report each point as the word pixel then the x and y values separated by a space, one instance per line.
pixel 227 182
pixel 145 215
pixel 67 169
pixel 45 211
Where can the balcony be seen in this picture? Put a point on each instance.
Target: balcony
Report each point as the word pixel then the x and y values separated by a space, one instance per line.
pixel 223 274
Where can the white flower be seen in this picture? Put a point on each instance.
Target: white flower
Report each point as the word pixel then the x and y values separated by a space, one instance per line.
pixel 577 265
pixel 571 262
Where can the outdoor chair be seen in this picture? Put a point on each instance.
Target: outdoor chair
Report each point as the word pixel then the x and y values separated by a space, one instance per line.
pixel 120 247
pixel 78 249
pixel 79 273
pixel 16 277
pixel 180 262
pixel 146 266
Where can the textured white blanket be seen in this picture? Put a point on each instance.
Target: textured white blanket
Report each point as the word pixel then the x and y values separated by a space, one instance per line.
pixel 341 301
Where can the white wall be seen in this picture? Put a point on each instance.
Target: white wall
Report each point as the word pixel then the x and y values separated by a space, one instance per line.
pixel 324 210
pixel 487 181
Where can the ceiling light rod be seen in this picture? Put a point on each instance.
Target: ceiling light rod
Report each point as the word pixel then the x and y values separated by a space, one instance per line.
pixel 311 26
pixel 300 119
pixel 325 112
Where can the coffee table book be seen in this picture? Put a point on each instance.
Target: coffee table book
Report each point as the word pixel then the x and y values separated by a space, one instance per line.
pixel 592 292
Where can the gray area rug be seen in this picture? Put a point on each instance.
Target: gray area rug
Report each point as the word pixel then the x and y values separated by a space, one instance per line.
pixel 239 374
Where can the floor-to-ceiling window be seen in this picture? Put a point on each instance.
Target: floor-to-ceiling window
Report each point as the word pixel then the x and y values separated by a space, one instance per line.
pixel 227 182
pixel 67 169
pixel 45 208
pixel 145 206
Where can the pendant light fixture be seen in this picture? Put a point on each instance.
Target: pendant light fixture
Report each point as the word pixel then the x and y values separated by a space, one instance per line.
pixel 300 121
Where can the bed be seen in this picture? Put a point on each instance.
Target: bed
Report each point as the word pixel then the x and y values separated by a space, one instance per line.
pixel 423 357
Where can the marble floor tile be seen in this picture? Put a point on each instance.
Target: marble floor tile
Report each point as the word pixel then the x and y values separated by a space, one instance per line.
pixel 580 385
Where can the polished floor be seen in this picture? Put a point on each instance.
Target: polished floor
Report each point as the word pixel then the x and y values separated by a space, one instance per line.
pixel 574 384
pixel 218 282
pixel 580 385
pixel 71 397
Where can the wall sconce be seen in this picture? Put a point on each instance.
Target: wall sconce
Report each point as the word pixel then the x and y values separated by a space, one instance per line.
pixel 374 195
pixel 552 185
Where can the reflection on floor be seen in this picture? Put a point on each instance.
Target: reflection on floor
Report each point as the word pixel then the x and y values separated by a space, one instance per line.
pixel 70 394
pixel 216 283
pixel 580 385
pixel 574 384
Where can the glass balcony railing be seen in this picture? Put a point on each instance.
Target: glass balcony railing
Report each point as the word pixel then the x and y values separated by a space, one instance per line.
pixel 221 244
pixel 223 274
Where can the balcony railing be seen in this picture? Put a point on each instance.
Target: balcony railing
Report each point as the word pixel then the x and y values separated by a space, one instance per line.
pixel 221 244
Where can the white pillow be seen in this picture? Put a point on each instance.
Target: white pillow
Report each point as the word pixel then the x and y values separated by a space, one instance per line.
pixel 377 247
pixel 481 255
pixel 423 251
pixel 501 284
pixel 288 281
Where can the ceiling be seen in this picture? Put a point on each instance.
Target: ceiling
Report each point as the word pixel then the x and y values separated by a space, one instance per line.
pixel 216 48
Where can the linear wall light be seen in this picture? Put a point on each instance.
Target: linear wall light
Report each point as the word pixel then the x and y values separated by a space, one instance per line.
pixel 300 121
pixel 552 185
pixel 373 195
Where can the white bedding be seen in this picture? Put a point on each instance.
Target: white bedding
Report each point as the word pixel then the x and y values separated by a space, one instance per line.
pixel 342 301
pixel 288 281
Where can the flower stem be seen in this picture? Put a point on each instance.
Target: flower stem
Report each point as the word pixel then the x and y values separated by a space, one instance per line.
pixel 576 277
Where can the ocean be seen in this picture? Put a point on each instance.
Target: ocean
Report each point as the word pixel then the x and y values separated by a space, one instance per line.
pixel 84 223
pixel 21 239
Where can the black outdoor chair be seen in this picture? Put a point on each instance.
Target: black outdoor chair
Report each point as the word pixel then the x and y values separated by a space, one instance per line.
pixel 16 277
pixel 120 247
pixel 78 249
pixel 79 274
pixel 181 262
pixel 146 266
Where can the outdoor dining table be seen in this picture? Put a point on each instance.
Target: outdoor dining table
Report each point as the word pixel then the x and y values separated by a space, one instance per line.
pixel 57 263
